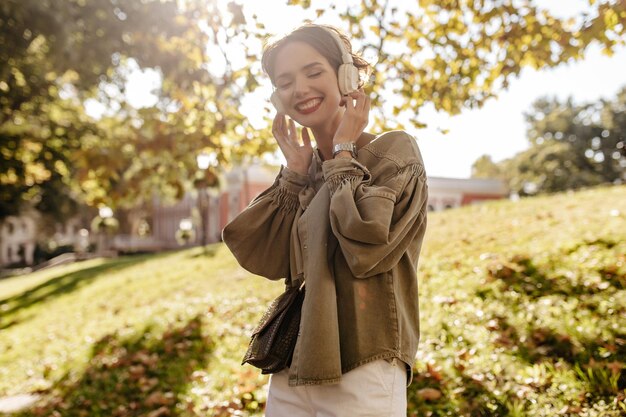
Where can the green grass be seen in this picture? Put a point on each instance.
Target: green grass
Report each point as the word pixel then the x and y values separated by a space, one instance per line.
pixel 523 313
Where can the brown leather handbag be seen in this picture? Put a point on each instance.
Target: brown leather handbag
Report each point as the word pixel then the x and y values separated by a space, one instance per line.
pixel 274 339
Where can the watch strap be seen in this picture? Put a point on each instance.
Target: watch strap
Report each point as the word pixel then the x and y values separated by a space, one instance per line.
pixel 347 146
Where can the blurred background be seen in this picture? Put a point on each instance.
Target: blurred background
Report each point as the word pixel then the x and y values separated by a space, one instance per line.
pixel 128 124
pixel 141 127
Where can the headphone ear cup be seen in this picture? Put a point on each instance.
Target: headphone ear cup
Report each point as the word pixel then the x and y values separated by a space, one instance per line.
pixel 278 104
pixel 348 77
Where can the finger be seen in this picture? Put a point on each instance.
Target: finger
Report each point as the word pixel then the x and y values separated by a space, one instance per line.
pixel 306 138
pixel 349 103
pixel 276 121
pixel 276 129
pixel 284 147
pixel 279 133
pixel 276 124
pixel 358 102
pixel 283 127
pixel 363 103
pixel 293 132
pixel 357 93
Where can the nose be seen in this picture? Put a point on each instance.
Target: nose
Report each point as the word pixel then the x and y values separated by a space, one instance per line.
pixel 301 87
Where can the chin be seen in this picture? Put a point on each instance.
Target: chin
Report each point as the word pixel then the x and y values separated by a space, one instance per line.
pixel 304 120
pixel 316 120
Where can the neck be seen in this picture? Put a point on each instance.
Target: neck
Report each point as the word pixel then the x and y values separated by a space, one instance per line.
pixel 324 135
pixel 326 146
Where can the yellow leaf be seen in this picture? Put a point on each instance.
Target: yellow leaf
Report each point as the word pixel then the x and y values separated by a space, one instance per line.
pixel 610 19
pixel 608 51
pixel 446 103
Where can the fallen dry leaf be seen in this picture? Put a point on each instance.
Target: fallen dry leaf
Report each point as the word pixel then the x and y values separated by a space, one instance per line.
pixel 162 411
pixel 159 398
pixel 434 373
pixel 429 394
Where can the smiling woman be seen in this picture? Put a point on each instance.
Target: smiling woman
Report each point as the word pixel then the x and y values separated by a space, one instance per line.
pixel 306 72
pixel 346 218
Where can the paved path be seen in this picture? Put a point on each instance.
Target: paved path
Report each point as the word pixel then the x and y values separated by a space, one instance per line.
pixel 17 402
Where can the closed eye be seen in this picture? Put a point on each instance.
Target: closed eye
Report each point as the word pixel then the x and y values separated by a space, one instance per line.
pixel 315 74
pixel 283 86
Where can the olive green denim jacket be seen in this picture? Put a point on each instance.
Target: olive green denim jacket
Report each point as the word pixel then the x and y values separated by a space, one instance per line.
pixel 353 230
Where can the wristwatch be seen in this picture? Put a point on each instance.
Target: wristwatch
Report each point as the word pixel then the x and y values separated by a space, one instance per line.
pixel 347 146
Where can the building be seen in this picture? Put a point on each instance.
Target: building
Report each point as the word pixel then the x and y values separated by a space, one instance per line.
pixel 17 239
pixel 156 226
pixel 445 193
pixel 206 211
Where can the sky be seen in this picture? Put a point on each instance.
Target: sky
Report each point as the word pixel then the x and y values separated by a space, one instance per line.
pixel 497 129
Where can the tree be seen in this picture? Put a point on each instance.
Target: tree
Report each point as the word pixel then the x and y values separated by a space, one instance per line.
pixel 595 131
pixel 548 167
pixel 571 146
pixel 60 54
pixel 57 55
pixel 484 167
pixel 456 54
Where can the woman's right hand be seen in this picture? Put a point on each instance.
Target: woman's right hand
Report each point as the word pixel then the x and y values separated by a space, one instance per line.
pixel 298 156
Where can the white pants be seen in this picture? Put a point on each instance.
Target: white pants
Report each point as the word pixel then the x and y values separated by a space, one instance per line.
pixel 376 389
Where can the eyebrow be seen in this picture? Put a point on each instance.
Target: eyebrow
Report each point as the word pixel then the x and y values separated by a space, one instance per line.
pixel 307 66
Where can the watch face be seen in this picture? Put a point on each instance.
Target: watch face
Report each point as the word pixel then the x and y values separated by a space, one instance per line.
pixel 345 147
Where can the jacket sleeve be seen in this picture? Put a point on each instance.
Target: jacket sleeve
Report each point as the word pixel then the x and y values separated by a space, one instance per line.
pixel 375 224
pixel 259 237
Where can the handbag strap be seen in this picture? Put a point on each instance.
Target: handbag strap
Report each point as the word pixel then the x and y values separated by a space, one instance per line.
pixel 298 282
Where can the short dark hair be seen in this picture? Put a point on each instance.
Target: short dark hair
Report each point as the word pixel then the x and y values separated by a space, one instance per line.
pixel 318 37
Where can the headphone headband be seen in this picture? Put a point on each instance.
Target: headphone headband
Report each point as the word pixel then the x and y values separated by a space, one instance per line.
pixel 347 73
pixel 346 57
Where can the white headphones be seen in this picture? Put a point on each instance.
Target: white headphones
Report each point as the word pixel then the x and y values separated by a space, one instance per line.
pixel 347 75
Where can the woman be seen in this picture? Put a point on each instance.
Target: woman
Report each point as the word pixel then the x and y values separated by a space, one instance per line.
pixel 347 217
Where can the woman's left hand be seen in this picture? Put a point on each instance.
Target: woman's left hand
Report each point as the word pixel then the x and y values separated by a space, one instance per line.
pixel 355 117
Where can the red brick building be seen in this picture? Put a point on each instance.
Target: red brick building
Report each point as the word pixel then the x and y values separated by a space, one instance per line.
pixel 154 226
pixel 242 185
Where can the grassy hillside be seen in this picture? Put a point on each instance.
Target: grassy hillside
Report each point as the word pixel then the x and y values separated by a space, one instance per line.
pixel 523 313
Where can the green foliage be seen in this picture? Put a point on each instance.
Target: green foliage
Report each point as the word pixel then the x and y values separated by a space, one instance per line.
pixel 484 167
pixel 455 54
pixel 571 146
pixel 523 314
pixel 603 381
pixel 58 55
pixel 107 225
pixel 134 374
